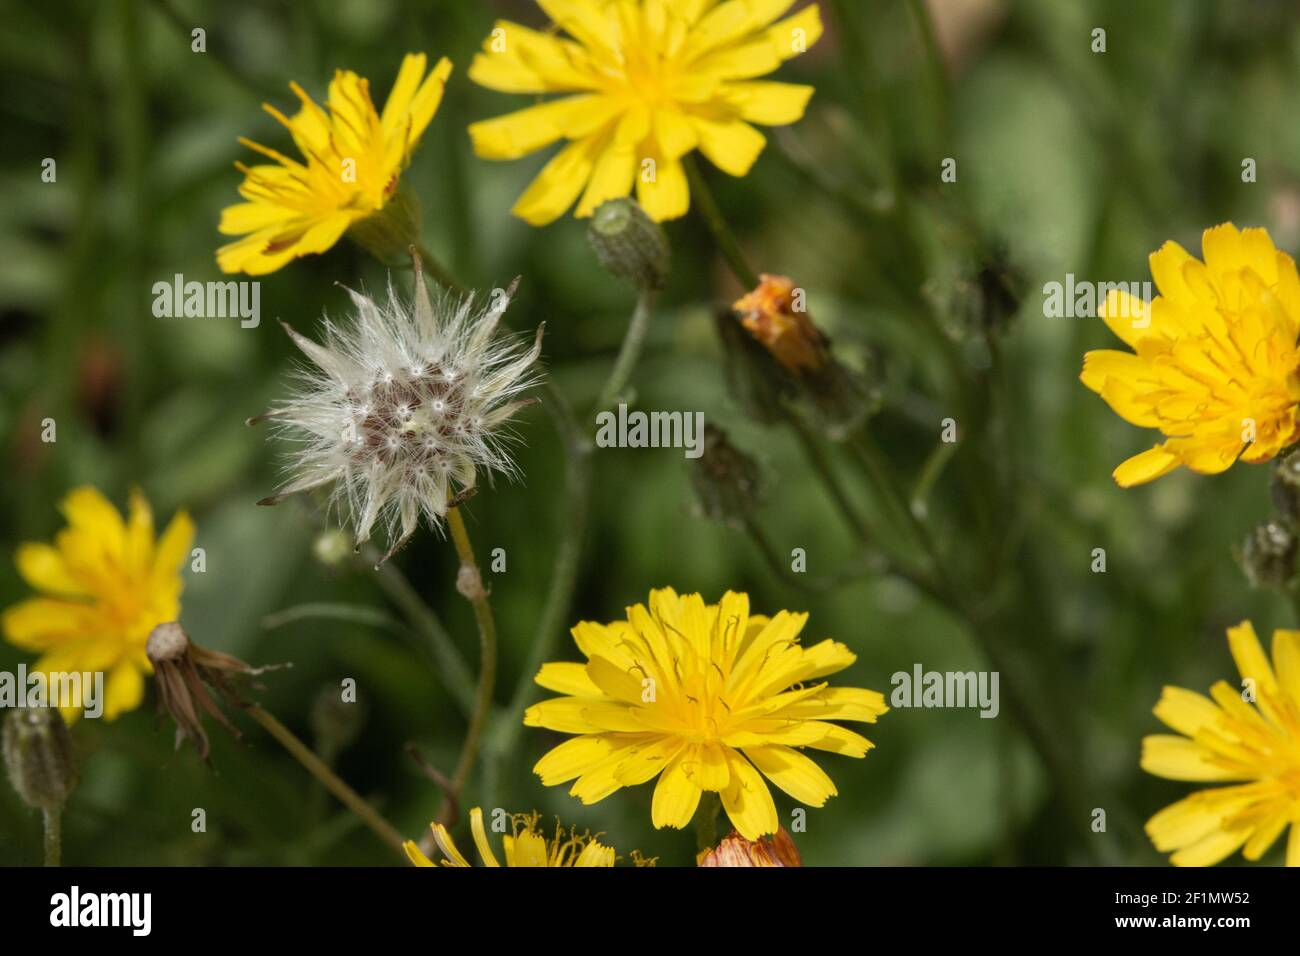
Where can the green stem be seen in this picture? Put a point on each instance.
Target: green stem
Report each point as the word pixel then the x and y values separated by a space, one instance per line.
pixel 834 487
pixel 706 820
pixel 53 819
pixel 317 768
pixel 564 578
pixel 713 218
pixel 434 268
pixel 934 61
pixel 630 351
pixel 451 665
pixel 470 584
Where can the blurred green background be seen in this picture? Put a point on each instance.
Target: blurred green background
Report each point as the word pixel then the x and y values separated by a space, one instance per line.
pixel 1068 161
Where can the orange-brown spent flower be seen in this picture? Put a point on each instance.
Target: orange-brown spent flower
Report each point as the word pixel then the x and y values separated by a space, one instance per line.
pixel 735 850
pixel 184 672
pixel 774 315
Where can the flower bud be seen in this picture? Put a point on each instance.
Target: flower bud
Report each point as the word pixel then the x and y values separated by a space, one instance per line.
pixel 335 722
pixel 629 244
pixel 1268 556
pixel 332 547
pixel 1285 488
pixel 389 234
pixel 735 850
pixel 39 758
pixel 727 481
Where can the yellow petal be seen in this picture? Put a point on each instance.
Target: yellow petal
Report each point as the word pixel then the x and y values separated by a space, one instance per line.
pixel 530 129
pixel 747 800
pixel 667 195
pixel 173 548
pixel 572 758
pixel 557 185
pixel 414 855
pixel 445 844
pixel 794 773
pixel 123 690
pixel 567 678
pixel 676 796
pixel 43 567
pixel 1186 711
pixel 1177 758
pixel 1249 656
pixel 480 837
pixel 732 146
pixel 771 104
pixel 1147 466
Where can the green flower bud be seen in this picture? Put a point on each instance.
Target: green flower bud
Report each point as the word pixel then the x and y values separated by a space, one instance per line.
pixel 630 244
pixel 335 723
pixel 389 234
pixel 39 758
pixel 1285 487
pixel 1268 556
pixel 728 482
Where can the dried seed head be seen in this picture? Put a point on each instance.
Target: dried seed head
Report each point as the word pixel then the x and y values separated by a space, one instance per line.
pixel 39 758
pixel 735 850
pixel 186 674
pixel 628 243
pixel 405 405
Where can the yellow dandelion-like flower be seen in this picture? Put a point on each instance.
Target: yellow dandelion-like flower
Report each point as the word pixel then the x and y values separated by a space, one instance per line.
pixel 650 81
pixel 1214 356
pixel 354 157
pixel 107 582
pixel 704 697
pixel 1257 748
pixel 525 846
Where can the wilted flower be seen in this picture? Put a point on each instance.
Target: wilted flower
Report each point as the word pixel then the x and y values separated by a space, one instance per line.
pixel 354 159
pixel 1227 740
pixel 646 82
pixel 524 846
pixel 704 697
pixel 735 850
pixel 1215 357
pixel 107 582
pixel 775 316
pixel 185 672
pixel 405 405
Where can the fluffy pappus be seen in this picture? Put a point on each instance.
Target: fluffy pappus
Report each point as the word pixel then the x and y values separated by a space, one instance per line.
pixel 403 406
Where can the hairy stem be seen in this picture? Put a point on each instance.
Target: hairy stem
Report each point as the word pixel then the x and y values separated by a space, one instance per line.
pixel 725 239
pixel 53 821
pixel 630 351
pixel 318 769
pixel 470 583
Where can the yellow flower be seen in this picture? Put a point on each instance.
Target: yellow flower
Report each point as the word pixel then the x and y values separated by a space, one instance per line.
pixel 650 80
pixel 705 698
pixel 524 847
pixel 1226 739
pixel 106 583
pixel 354 158
pixel 1214 356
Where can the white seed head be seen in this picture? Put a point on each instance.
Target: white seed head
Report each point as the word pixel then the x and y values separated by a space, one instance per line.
pixel 404 406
